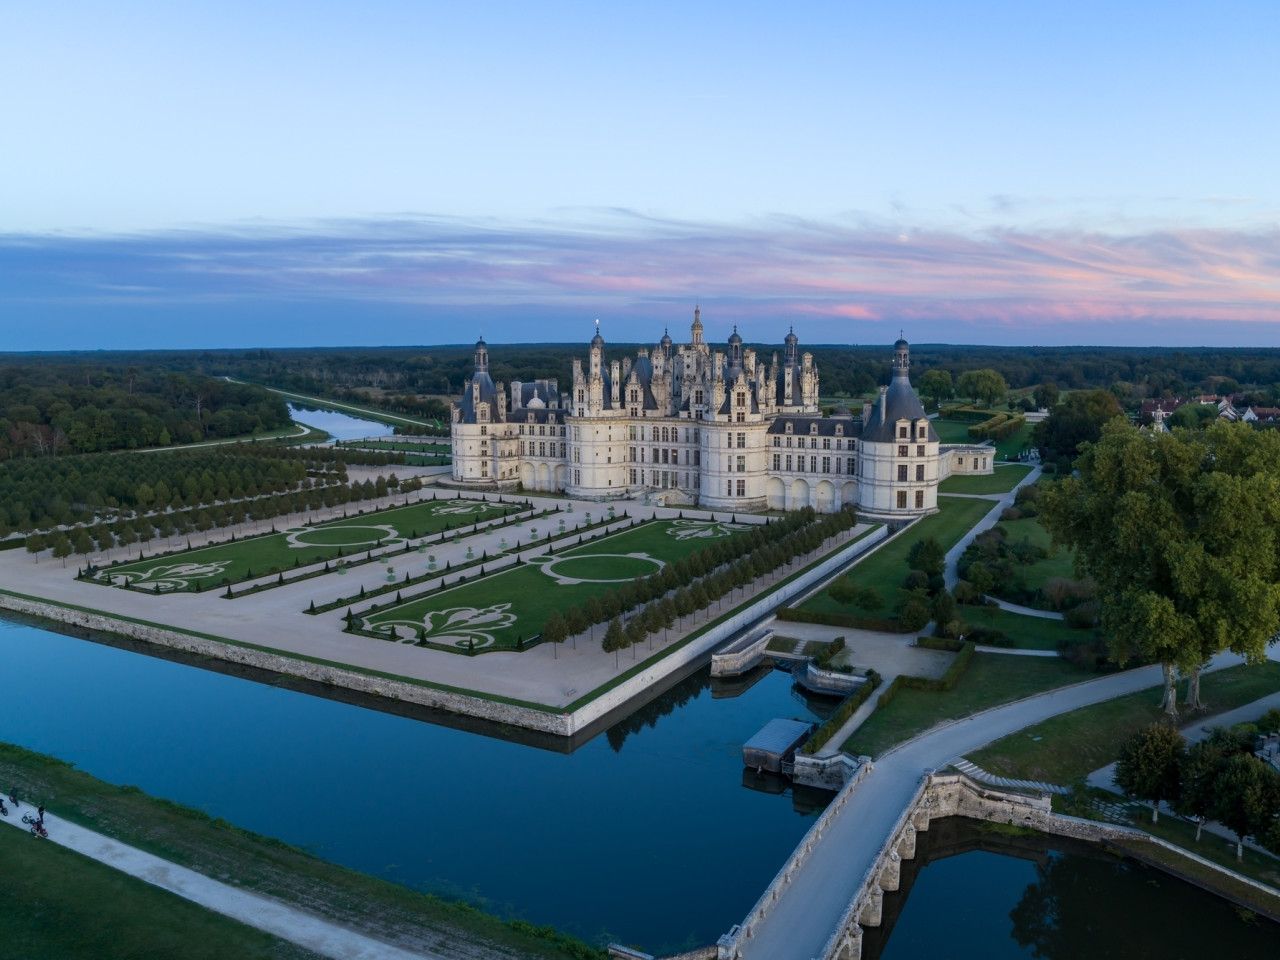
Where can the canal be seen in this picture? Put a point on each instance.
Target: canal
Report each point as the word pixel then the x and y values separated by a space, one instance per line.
pixel 339 426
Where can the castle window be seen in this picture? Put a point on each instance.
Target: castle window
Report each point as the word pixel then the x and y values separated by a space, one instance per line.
pixel 922 431
pixel 902 432
pixel 826 464
pixel 788 431
pixel 742 440
pixel 742 464
pixel 788 462
pixel 742 399
pixel 728 488
pixel 542 448
pixel 839 433
pixel 632 454
pixel 919 473
pixel 851 466
pixel 697 458
pixel 902 473
pixel 777 462
pixel 813 464
pixel 742 417
pixel 664 457
pixel 777 441
pixel 919 499
pixel 542 431
pixel 813 429
pixel 919 451
pixel 904 450
pixel 483 431
pixel 902 499
pixel 742 488
pixel 697 396
pixel 577 477
pixel 633 477
pixel 581 397
pixel 826 443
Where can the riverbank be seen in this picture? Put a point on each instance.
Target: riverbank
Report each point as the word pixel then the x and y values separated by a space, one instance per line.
pixel 410 921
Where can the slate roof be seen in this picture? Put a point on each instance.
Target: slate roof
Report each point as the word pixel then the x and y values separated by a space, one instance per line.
pixel 899 403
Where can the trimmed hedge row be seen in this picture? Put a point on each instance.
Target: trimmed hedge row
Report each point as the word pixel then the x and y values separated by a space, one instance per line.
pixel 940 643
pixel 964 413
pixel 823 659
pixel 842 714
pixel 998 427
pixel 946 682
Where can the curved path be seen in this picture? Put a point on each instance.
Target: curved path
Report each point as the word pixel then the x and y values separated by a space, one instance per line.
pixel 998 502
pixel 806 911
pixel 263 913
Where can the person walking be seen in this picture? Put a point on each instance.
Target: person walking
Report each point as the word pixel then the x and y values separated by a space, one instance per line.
pixel 40 814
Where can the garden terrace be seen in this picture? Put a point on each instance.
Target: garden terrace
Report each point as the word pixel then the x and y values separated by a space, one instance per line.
pixel 299 546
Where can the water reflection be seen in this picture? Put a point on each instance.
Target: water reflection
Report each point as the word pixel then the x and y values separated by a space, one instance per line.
pixel 339 426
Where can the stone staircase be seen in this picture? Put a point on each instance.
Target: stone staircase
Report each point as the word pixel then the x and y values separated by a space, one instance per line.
pixel 975 772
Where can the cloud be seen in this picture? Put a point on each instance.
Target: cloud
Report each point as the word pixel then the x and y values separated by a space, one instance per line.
pixel 996 286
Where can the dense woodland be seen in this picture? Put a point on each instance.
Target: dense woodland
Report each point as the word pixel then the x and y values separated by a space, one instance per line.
pixel 134 388
pixel 64 404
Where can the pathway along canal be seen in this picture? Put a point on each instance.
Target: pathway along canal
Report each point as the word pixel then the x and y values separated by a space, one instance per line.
pixel 651 833
pixel 645 834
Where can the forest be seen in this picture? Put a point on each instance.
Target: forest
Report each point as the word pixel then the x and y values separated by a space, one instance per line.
pixel 62 403
pixel 119 400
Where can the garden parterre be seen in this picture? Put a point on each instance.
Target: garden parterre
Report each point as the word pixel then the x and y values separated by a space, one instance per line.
pixel 301 545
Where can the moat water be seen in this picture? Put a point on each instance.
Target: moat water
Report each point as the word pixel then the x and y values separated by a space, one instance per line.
pixel 651 833
pixel 339 426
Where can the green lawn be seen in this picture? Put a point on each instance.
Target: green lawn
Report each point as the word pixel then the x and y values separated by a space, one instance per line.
pixel 1257 866
pixel 60 905
pixel 1059 563
pixel 886 568
pixel 211 566
pixel 1015 443
pixel 80 898
pixel 1002 480
pixel 1027 633
pixel 498 610
pixel 992 679
pixel 952 431
pixel 407 446
pixel 1077 743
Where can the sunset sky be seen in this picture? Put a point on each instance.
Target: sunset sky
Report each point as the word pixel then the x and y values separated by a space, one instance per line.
pixel 272 174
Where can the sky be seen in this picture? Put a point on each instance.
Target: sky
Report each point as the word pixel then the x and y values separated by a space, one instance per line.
pixel 276 173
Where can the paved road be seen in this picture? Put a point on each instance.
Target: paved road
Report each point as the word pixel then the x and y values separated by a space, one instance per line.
pixel 272 916
pixel 803 918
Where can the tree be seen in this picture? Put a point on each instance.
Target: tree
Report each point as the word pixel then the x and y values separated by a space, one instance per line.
pixel 985 386
pixel 576 621
pixel 614 640
pixel 927 555
pixel 1179 532
pixel 1246 795
pixel 1045 396
pixel 843 590
pixel 1078 419
pixel 555 631
pixel 635 632
pixel 936 385
pixel 1151 764
pixel 944 612
pixel 35 542
pixel 61 546
pixel 913 611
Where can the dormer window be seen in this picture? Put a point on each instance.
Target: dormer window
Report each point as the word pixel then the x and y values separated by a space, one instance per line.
pixel 789 425
pixel 839 429
pixel 813 429
pixel 904 431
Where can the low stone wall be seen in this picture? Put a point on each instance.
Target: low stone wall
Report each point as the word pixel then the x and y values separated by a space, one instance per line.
pixel 829 773
pixel 289 666
pixel 741 655
pixel 828 681
pixel 561 724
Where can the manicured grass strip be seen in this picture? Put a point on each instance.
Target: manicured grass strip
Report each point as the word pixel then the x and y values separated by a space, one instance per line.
pixel 952 431
pixel 1026 633
pixel 1075 744
pixel 218 849
pixel 61 905
pixel 1254 865
pixel 992 679
pixel 1002 480
pixel 885 570
pixel 1015 443
pixel 210 567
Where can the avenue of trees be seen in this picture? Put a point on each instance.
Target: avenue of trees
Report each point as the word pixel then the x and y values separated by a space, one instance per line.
pixel 681 589
pixel 1180 534
pixel 61 406
pixel 1218 778
pixel 42 493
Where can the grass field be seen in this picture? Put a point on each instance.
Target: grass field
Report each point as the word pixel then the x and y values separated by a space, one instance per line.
pixel 952 431
pixel 1015 443
pixel 1002 480
pixel 497 611
pixel 1077 743
pixel 213 847
pixel 885 570
pixel 992 679
pixel 60 905
pixel 1059 563
pixel 1027 633
pixel 211 566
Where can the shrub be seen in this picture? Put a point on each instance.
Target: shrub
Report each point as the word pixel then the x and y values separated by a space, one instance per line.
pixel 1269 722
pixel 1088 654
pixel 1010 513
pixel 1082 617
pixel 916 580
pixel 949 644
pixel 913 614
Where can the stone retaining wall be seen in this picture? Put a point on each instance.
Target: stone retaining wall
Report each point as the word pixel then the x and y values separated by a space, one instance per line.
pixel 560 724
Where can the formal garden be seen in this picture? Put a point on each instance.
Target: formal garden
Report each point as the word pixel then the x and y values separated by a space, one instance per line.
pixel 503 609
pixel 301 545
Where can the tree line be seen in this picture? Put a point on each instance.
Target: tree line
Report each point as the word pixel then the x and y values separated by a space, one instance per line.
pixel 1218 778
pixel 693 583
pixel 103 536
pixel 42 493
pixel 62 405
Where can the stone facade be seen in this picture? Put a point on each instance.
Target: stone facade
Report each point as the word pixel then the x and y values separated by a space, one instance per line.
pixel 720 429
